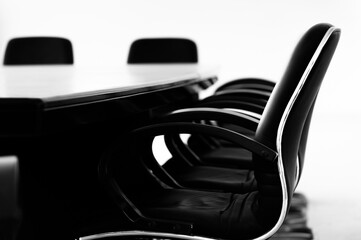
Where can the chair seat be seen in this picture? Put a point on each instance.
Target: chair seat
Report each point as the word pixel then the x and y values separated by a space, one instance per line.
pixel 225 154
pixel 229 156
pixel 216 178
pixel 213 213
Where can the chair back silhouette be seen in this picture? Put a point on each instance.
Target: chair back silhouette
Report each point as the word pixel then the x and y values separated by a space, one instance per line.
pixel 38 50
pixel 290 104
pixel 161 209
pixel 163 50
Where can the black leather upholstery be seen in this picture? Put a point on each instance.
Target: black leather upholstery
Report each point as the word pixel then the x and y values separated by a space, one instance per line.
pixel 38 50
pixel 153 201
pixel 163 50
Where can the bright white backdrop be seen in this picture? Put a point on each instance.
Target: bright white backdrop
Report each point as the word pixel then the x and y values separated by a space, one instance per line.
pixel 246 38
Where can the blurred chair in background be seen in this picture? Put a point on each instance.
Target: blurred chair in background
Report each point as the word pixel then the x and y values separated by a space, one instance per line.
pixel 163 50
pixel 38 50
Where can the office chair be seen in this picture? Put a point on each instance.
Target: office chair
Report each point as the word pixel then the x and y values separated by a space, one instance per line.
pixel 191 169
pixel 157 205
pixel 10 214
pixel 38 50
pixel 163 50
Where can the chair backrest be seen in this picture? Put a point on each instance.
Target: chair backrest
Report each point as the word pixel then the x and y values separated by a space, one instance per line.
pixel 38 50
pixel 286 114
pixel 163 50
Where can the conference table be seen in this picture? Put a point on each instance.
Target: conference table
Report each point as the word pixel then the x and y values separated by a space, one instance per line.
pixel 58 120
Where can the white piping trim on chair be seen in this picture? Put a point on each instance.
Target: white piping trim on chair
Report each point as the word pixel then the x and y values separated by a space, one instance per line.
pixel 281 129
pixel 142 233
pixel 298 177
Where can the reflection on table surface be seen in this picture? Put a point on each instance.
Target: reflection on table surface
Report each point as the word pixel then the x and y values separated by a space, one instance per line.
pixel 57 82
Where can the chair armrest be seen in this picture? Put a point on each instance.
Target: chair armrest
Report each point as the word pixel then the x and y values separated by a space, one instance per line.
pixel 248 83
pixel 212 114
pixel 236 104
pixel 241 140
pixel 178 148
pixel 252 93
pixel 241 95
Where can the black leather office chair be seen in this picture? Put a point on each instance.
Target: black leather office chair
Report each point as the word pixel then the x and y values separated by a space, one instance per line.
pixel 38 50
pixel 189 168
pixel 10 214
pixel 206 151
pixel 163 50
pixel 158 206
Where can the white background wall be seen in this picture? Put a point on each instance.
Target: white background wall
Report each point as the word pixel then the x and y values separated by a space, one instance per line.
pixel 246 38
